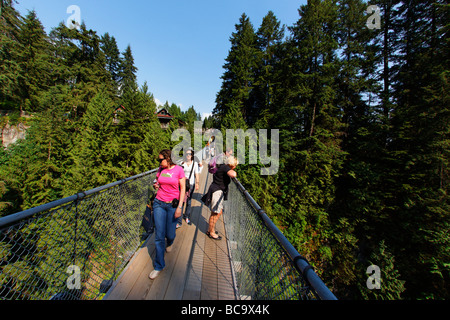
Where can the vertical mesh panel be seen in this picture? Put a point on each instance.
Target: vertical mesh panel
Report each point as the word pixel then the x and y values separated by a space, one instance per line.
pixel 74 251
pixel 262 268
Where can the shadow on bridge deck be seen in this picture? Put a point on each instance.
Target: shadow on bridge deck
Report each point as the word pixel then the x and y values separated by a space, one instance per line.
pixel 198 268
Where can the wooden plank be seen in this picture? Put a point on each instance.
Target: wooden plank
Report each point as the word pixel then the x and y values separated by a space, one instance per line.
pixel 196 268
pixel 193 278
pixel 143 283
pixel 158 289
pixel 178 280
pixel 174 273
pixel 224 277
pixel 209 276
pixel 193 283
pixel 126 281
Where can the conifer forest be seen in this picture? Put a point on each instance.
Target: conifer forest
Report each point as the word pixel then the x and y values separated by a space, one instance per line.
pixel 363 117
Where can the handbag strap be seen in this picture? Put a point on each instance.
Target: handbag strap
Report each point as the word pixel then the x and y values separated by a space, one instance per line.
pixel 192 169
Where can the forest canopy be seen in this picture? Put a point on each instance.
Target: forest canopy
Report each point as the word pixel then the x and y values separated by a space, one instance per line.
pixel 364 120
pixel 88 123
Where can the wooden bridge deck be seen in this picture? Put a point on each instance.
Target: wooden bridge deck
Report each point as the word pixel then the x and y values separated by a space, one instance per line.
pixel 197 268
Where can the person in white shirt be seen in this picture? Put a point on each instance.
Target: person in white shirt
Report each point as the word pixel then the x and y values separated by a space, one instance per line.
pixel 192 171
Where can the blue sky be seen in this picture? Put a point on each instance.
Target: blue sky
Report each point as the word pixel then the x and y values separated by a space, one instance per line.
pixel 179 46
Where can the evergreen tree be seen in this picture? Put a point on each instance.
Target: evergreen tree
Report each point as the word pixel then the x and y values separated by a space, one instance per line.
pixel 389 38
pixel 35 63
pixel 209 123
pixel 12 165
pixel 79 65
pixel 363 118
pixel 112 56
pixel 269 38
pixel 315 36
pixel 91 154
pixel 189 117
pixel 43 183
pixel 10 48
pixel 419 145
pixel 154 140
pixel 238 78
pixel 136 123
pixel 127 72
pixel 174 110
pixel 359 188
pixel 233 119
pixel 4 205
pixel 391 286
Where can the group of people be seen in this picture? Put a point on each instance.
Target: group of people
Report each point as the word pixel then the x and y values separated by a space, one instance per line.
pixel 175 185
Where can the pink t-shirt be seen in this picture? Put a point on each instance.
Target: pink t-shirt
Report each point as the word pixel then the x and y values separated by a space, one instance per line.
pixel 169 185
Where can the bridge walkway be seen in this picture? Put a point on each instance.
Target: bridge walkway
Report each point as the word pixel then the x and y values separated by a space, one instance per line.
pixel 197 268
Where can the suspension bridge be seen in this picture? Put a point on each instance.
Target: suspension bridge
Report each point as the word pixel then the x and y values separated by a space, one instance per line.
pixel 91 246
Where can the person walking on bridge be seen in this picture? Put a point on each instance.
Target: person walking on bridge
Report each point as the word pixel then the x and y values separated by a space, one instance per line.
pixel 191 167
pixel 171 190
pixel 218 193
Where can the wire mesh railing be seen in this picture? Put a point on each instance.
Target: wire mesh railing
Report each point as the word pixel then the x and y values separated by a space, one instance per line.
pixel 265 265
pixel 73 248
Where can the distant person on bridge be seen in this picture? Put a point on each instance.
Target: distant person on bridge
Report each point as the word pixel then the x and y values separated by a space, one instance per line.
pixel 218 193
pixel 171 190
pixel 221 157
pixel 218 160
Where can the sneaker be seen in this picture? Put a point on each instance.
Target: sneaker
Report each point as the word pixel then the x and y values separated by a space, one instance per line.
pixel 188 221
pixel 169 248
pixel 178 225
pixel 153 274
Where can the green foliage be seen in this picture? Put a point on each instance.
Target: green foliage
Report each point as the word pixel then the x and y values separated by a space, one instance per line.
pixel 10 50
pixel 238 79
pixel 391 287
pixel 364 126
pixel 35 63
pixel 91 124
pixel 364 139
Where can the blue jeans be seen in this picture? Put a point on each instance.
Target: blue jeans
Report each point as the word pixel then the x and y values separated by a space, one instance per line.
pixel 165 226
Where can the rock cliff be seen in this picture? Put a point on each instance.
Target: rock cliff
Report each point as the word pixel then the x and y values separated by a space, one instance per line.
pixel 12 133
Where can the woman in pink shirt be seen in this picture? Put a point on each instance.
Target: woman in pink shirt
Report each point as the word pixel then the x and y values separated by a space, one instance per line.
pixel 170 183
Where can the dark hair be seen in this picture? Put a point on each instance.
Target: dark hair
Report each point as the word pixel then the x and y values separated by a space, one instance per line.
pixel 167 154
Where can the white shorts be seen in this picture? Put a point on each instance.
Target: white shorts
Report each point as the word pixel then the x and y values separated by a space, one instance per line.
pixel 217 201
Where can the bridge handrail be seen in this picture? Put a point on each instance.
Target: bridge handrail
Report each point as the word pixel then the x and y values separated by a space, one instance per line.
pixel 92 234
pixel 17 217
pixel 301 263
